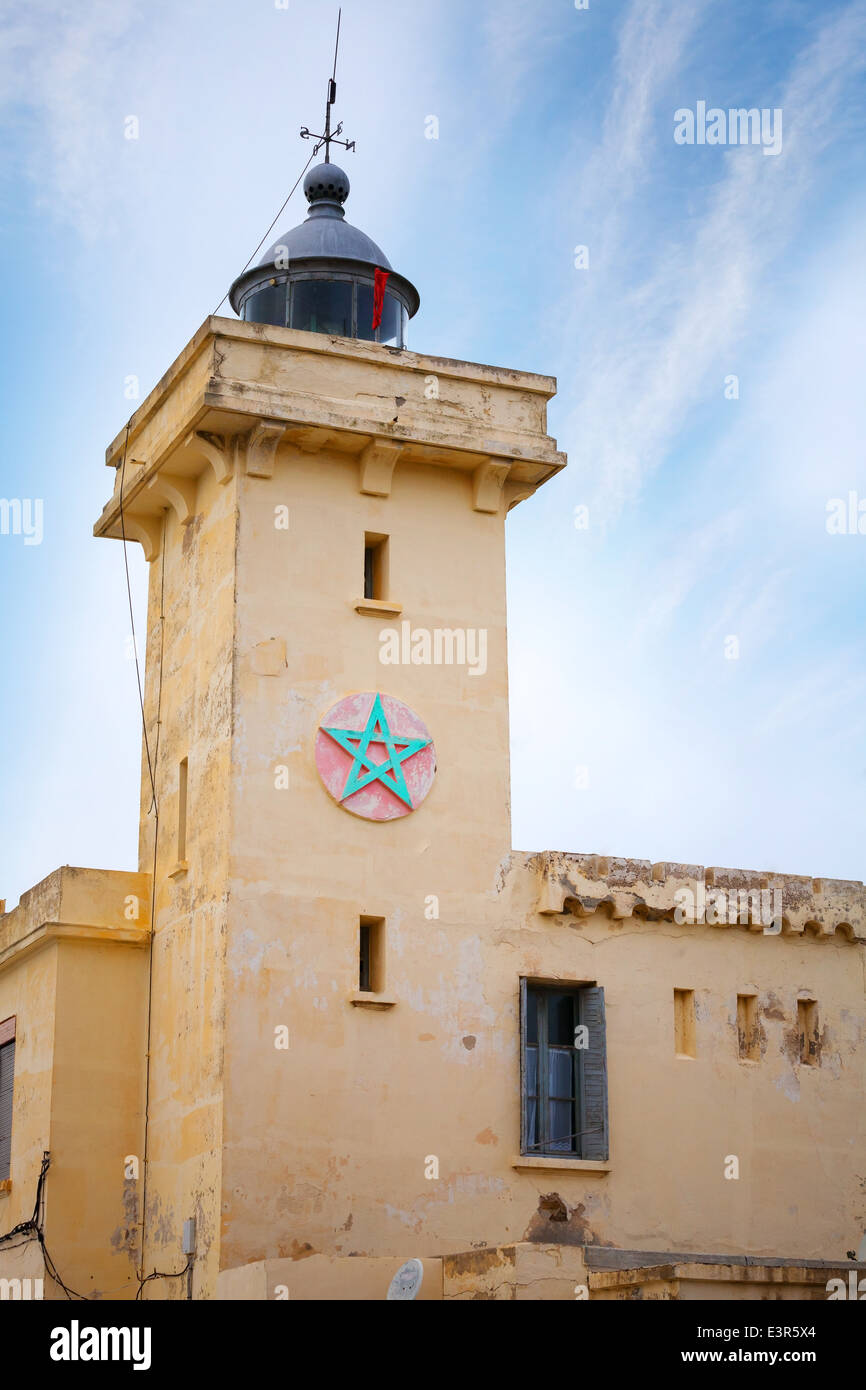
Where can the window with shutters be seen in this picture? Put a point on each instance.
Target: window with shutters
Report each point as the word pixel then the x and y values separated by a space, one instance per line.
pixel 563 1070
pixel 7 1073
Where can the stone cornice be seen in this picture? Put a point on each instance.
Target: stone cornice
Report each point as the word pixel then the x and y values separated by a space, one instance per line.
pixel 214 326
pixel 240 392
pixel 54 932
pixel 583 884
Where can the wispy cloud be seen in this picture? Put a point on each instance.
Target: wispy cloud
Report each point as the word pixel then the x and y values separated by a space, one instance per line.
pixel 671 338
pixel 835 693
pixel 59 65
pixel 695 557
pixel 652 44
pixel 517 38
pixel 753 609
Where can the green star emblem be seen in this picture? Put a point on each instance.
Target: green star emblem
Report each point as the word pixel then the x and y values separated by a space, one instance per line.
pixel 363 769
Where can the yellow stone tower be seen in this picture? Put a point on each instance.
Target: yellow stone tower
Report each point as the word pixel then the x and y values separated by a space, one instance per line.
pixel 300 494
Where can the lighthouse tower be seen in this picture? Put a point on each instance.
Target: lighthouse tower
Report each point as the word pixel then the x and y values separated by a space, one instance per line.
pixel 325 783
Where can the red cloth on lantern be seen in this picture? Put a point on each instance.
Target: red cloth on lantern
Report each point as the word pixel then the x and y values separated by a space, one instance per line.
pixel 380 281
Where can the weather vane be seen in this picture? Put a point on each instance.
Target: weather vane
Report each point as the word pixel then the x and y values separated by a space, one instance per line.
pixel 329 138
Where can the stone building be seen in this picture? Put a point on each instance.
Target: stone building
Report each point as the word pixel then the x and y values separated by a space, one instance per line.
pixel 333 1022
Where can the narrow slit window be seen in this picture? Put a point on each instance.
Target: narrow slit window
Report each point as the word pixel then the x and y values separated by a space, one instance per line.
pixel 807 1026
pixel 181 809
pixel 684 1023
pixel 375 566
pixel 364 959
pixel 748 1042
pixel 371 955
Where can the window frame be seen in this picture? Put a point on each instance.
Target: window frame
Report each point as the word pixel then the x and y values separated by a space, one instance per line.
pixel 544 1146
pixel 377 566
pixel 371 955
pixel 7 1044
pixel 291 280
pixel 328 279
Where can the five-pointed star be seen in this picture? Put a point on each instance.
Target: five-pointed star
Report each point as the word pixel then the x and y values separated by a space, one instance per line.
pixel 363 769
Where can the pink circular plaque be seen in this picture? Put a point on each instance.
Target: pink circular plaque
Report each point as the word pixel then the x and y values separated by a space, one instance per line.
pixel 375 756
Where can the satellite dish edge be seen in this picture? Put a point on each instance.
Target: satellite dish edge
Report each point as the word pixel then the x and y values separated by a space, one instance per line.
pixel 406 1283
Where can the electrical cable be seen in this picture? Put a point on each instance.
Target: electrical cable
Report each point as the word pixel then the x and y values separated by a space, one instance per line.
pixel 270 229
pixel 33 1229
pixel 155 808
pixel 32 1224
pixel 157 1274
pixel 131 614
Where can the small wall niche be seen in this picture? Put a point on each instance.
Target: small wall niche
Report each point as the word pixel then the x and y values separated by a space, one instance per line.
pixel 371 955
pixel 748 1036
pixel 376 566
pixel 182 779
pixel 684 1023
pixel 807 1027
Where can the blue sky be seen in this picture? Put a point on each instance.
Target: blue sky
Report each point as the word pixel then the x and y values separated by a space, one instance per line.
pixel 707 515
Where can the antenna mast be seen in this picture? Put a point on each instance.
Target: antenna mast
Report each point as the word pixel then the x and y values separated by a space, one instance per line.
pixel 329 137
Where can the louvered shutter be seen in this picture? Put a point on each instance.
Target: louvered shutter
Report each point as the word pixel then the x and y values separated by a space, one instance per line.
pixel 7 1071
pixel 593 1090
pixel 524 1139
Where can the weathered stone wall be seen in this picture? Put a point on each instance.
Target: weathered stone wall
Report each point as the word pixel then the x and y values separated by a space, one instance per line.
pixel 73 972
